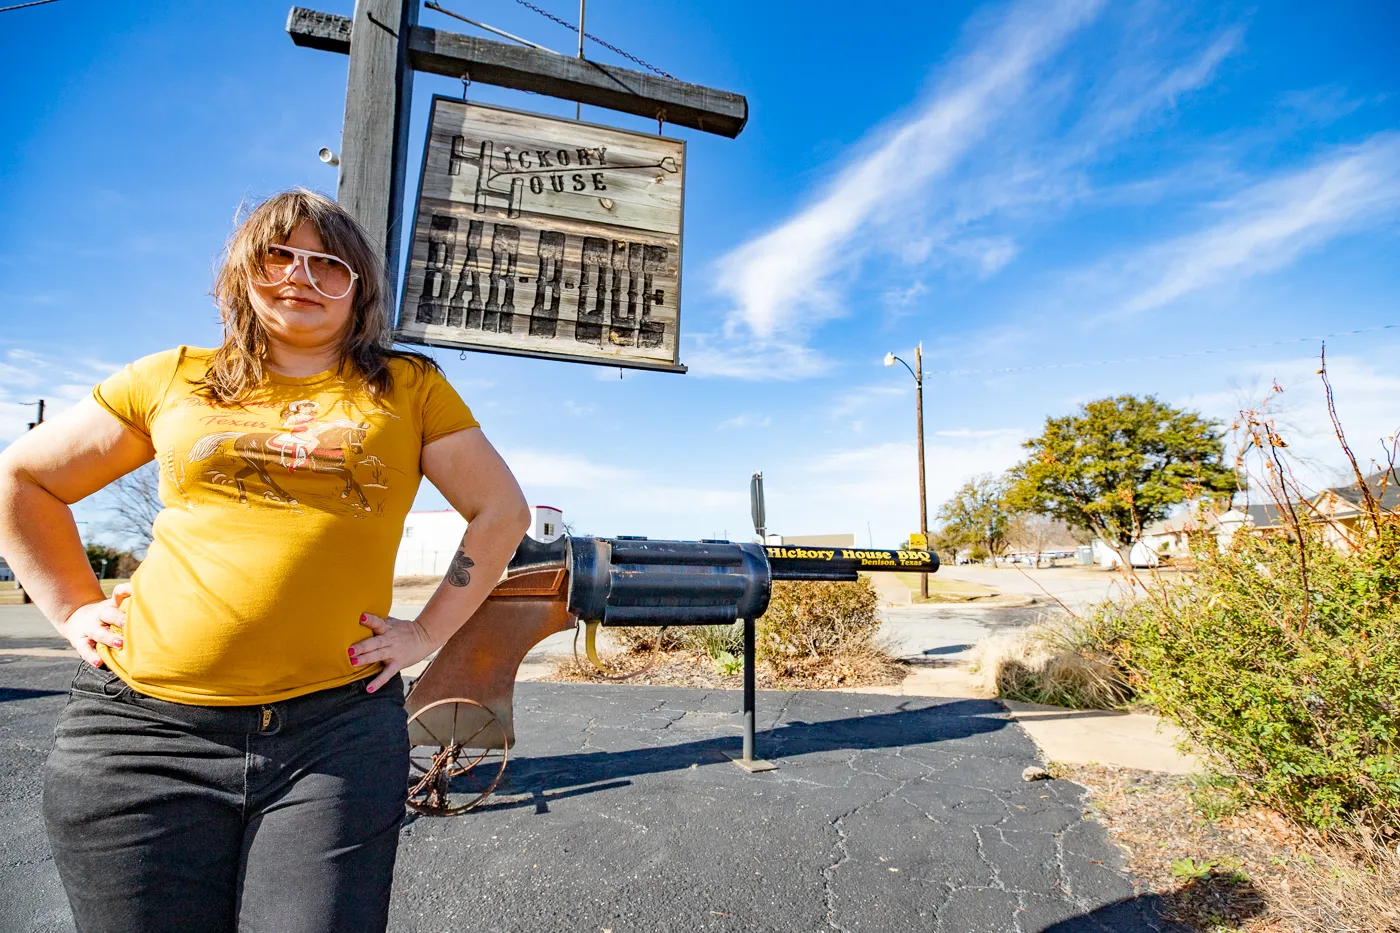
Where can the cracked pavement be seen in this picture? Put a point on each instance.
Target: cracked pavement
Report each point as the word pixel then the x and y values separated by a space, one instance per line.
pixel 620 813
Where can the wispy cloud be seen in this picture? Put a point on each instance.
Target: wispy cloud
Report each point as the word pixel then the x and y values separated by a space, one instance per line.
pixel 745 420
pixel 1002 139
pixel 841 490
pixel 27 376
pixel 1365 399
pixel 788 273
pixel 1270 224
pixel 603 498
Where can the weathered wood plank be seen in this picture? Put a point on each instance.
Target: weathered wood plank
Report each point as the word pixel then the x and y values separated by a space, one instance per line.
pixel 374 140
pixel 448 53
pixel 312 29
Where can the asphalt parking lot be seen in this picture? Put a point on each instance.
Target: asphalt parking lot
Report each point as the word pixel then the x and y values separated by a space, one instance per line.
pixel 620 813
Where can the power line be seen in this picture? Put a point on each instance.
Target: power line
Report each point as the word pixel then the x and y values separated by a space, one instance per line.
pixel 20 6
pixel 1163 356
pixel 607 45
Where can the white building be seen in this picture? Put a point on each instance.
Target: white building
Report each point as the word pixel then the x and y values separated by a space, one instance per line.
pixel 428 543
pixel 546 523
pixel 430 538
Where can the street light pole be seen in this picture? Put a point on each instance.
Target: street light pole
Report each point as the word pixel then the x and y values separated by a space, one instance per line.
pixel 923 490
pixel 917 371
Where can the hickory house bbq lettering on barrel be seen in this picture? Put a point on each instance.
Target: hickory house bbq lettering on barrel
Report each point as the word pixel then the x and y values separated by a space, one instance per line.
pixel 863 557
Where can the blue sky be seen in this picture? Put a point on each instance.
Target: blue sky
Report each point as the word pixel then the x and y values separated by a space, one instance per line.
pixel 1016 185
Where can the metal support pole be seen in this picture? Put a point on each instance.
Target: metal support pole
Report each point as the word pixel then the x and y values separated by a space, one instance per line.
pixel 582 8
pixel 923 490
pixel 748 689
pixel 747 761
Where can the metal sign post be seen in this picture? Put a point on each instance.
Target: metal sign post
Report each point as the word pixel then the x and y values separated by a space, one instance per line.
pixel 758 508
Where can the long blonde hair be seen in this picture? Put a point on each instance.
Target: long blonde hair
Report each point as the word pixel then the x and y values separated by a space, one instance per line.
pixel 237 368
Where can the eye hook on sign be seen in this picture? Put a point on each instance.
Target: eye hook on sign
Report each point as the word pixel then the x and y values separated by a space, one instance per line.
pixel 466 83
pixel 660 121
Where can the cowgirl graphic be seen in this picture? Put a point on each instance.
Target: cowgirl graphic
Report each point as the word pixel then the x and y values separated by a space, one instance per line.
pixel 299 422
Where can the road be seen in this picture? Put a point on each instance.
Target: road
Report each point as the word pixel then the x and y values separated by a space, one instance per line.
pixel 935 632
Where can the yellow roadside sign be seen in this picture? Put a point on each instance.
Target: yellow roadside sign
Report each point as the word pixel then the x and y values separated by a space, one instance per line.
pixel 918 541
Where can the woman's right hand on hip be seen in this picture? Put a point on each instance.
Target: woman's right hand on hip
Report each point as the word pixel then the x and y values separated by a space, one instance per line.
pixel 101 621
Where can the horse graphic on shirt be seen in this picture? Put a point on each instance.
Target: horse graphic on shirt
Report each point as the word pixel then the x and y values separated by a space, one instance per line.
pixel 321 446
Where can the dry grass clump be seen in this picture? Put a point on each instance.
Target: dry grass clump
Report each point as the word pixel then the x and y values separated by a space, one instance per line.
pixel 1060 661
pixel 1219 864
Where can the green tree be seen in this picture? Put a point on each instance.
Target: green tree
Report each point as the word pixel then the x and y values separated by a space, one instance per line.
pixel 103 559
pixel 1119 464
pixel 976 517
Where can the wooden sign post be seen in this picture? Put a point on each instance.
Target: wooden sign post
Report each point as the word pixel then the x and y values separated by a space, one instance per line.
pixel 386 45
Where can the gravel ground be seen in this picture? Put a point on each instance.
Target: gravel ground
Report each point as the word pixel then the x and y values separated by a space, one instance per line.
pixel 1247 870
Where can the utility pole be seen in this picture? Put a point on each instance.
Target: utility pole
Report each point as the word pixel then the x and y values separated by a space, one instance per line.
pixel 923 491
pixel 33 424
pixel 917 371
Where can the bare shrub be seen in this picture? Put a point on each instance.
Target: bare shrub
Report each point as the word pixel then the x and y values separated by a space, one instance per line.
pixel 809 621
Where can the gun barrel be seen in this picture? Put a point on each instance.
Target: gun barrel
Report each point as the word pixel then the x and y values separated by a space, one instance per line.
pixel 634 581
pixel 843 563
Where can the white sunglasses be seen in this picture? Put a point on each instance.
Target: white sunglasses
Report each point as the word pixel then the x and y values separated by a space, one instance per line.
pixel 329 275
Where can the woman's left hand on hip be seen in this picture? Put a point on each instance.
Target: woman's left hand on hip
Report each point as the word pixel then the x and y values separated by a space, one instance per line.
pixel 396 643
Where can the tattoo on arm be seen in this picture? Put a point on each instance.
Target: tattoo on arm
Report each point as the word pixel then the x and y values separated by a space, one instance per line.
pixel 459 572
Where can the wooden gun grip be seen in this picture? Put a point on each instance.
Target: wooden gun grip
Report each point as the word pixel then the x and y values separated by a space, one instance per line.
pixel 480 661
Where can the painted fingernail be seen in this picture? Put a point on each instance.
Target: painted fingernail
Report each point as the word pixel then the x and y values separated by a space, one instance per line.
pixel 351 651
pixel 118 643
pixel 370 689
pixel 354 661
pixel 363 617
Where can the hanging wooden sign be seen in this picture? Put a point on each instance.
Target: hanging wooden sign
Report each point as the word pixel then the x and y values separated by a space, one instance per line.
pixel 548 237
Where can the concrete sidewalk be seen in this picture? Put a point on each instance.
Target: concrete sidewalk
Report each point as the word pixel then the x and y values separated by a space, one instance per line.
pixel 620 813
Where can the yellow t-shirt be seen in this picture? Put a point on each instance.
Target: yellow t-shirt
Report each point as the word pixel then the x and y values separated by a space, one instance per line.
pixel 282 519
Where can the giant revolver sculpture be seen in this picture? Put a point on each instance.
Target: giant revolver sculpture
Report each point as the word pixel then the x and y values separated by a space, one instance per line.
pixel 460 707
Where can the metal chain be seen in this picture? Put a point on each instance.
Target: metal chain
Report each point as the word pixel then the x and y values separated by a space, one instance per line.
pixel 607 45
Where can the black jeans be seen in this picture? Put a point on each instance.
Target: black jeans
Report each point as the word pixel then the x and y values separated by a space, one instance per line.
pixel 283 817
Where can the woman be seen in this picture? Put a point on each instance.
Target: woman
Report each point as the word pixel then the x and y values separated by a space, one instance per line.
pixel 233 754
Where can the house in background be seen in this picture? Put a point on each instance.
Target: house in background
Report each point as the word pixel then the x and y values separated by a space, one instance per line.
pixel 6 574
pixel 1344 507
pixel 1339 509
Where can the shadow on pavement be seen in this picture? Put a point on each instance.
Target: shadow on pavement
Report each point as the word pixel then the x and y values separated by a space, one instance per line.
pixel 605 770
pixel 8 694
pixel 949 649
